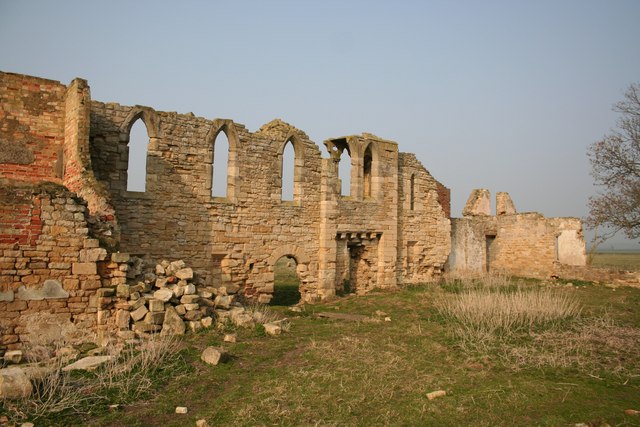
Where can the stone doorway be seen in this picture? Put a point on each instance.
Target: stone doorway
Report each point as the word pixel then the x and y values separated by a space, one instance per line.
pixel 357 263
pixel 286 282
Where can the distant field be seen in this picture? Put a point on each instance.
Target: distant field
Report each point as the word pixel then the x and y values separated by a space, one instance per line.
pixel 621 260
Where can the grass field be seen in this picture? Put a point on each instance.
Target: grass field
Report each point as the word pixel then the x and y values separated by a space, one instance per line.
pixel 577 364
pixel 621 260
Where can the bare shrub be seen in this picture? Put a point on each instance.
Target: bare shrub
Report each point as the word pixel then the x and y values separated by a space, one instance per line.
pixel 127 375
pixel 129 372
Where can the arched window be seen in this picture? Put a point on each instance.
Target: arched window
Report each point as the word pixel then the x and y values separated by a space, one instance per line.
pixel 368 159
pixel 344 172
pixel 288 171
pixel 220 165
pixel 412 192
pixel 137 161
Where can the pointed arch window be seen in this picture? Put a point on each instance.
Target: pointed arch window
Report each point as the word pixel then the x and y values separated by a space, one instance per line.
pixel 289 171
pixel 344 172
pixel 138 147
pixel 220 165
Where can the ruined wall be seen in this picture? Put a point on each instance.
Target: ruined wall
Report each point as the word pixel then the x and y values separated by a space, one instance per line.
pixel 230 240
pixel 520 244
pixel 48 264
pixel 423 224
pixel 32 113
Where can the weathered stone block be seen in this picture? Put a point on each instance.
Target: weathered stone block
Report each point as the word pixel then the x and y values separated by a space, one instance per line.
pixel 214 355
pixel 84 268
pixel 163 295
pixel 156 305
pixel 120 257
pixel 139 313
pixel 172 324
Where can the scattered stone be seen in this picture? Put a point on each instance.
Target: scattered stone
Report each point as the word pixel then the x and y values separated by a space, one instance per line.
pixel 88 363
pixel 387 319
pixel 181 410
pixel 230 338
pixel 436 394
pixel 295 309
pixel 27 424
pixel 14 383
pixel 184 274
pixel 272 328
pixel 13 356
pixel 156 305
pixel 224 301
pixel 189 299
pixel 214 355
pixel 160 271
pixel 115 407
pixel 139 313
pixel 173 324
pixel 195 325
pixel 631 412
pixel 193 315
pixel 202 423
pixel 163 295
pixel 190 289
pixel 242 320
pixel 207 322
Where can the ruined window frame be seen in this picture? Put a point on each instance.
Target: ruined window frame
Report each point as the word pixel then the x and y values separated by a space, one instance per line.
pixel 298 170
pixel 149 119
pixel 228 127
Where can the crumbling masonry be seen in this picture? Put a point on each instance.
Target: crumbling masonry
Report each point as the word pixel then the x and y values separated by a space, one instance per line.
pixel 67 219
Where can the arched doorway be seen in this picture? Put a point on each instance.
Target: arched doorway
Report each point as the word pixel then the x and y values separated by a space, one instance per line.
pixel 286 283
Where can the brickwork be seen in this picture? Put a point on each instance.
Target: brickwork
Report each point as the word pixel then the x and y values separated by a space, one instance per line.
pixel 32 112
pixel 54 269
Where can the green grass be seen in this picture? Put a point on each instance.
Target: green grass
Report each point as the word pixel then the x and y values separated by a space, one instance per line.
pixel 618 260
pixel 585 369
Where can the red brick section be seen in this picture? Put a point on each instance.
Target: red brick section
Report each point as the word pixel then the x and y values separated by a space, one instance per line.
pixel 444 198
pixel 20 222
pixel 32 112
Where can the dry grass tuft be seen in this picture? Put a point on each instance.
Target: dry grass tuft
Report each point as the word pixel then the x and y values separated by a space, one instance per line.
pixel 126 376
pixel 483 314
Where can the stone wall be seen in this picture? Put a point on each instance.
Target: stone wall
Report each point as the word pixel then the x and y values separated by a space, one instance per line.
pixel 424 228
pixel 49 267
pixel 520 244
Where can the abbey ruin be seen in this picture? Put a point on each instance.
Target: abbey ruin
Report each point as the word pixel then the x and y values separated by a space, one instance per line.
pixel 68 224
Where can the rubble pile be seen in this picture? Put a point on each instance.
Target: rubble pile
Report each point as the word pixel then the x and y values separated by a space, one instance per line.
pixel 171 300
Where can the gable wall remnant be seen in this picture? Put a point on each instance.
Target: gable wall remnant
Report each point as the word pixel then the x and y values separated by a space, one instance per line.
pixel 520 244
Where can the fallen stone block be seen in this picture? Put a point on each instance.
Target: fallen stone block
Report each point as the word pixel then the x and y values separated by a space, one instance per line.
pixel 181 410
pixel 190 289
pixel 139 313
pixel 224 301
pixel 88 363
pixel 272 328
pixel 214 355
pixel 13 356
pixel 156 305
pixel 14 384
pixel 172 324
pixel 155 318
pixel 193 315
pixel 207 322
pixel 184 274
pixel 189 299
pixel 163 295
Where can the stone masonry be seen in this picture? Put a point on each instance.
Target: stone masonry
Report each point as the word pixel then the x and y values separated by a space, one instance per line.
pixel 68 221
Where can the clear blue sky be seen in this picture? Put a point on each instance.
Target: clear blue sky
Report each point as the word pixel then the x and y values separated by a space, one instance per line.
pixel 504 95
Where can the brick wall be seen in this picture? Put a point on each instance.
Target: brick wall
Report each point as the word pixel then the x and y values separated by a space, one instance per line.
pixel 32 112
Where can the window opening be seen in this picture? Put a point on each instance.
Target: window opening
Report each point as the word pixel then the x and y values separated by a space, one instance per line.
pixel 137 162
pixel 220 165
pixel 344 173
pixel 368 159
pixel 288 171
